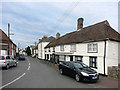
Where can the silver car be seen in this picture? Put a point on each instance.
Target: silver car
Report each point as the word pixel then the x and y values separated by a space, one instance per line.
pixel 7 61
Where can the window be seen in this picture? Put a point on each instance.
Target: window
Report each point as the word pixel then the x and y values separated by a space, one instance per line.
pixel 8 57
pixel 78 58
pixel 62 58
pixel 73 47
pixel 92 48
pixel 49 49
pixel 93 62
pixel 53 49
pixel 62 48
pixel 70 64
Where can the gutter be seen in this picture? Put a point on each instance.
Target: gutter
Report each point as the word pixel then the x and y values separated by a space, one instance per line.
pixel 104 58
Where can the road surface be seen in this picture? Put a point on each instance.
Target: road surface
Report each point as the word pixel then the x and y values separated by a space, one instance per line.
pixel 31 73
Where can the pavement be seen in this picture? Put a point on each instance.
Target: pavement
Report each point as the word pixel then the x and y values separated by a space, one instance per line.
pixel 106 82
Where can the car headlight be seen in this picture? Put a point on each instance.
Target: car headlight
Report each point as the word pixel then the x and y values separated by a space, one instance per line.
pixel 84 74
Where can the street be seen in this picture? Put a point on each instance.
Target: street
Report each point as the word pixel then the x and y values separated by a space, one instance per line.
pixel 31 73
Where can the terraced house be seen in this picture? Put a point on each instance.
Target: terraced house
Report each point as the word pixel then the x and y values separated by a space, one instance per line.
pixel 95 45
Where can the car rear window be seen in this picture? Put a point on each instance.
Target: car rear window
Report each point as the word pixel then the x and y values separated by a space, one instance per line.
pixel 1 57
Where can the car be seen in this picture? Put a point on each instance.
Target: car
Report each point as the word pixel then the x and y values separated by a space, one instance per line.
pixel 33 56
pixel 78 70
pixel 21 57
pixel 7 61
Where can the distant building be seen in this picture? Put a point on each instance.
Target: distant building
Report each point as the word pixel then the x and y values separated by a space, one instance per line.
pixel 4 45
pixel 95 45
pixel 42 43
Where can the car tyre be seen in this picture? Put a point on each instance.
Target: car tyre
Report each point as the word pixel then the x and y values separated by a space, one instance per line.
pixel 15 65
pixel 7 67
pixel 77 77
pixel 61 71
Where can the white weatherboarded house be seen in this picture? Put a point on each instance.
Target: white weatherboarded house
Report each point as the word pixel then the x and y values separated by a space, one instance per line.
pixel 42 44
pixel 95 45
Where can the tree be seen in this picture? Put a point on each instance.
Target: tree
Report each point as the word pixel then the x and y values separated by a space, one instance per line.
pixel 28 51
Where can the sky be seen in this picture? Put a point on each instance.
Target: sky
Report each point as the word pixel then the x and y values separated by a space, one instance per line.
pixel 30 21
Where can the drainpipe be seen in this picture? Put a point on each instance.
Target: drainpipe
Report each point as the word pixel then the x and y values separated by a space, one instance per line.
pixel 104 58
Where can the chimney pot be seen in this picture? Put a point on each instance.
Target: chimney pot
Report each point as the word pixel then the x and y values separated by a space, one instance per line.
pixel 80 23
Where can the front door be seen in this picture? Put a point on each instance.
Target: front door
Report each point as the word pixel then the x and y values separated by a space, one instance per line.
pixel 71 58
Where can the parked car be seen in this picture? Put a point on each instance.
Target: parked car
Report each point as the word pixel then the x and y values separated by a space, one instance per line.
pixel 33 56
pixel 21 57
pixel 79 70
pixel 7 61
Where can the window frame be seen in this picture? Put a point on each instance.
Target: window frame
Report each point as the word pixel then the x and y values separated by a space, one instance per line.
pixel 81 57
pixel 73 47
pixel 92 48
pixel 92 63
pixel 61 47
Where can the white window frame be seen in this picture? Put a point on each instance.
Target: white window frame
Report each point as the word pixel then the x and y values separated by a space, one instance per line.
pixel 93 47
pixel 73 48
pixel 61 47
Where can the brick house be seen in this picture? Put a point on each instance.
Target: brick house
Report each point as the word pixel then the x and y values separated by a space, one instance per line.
pixel 4 45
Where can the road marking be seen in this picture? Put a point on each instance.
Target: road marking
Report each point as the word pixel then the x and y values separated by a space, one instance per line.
pixel 28 68
pixel 16 78
pixel 13 81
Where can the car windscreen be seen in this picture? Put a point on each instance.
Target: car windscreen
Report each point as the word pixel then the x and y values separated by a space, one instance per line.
pixel 1 57
pixel 80 65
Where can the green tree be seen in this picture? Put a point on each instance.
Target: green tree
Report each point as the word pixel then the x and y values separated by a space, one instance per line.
pixel 28 51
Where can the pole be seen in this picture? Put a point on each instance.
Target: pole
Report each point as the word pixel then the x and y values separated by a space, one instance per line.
pixel 35 48
pixel 8 38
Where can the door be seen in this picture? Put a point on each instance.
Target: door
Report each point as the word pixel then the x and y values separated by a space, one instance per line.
pixel 71 58
pixel 70 69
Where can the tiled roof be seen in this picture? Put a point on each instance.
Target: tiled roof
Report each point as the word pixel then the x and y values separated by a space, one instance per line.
pixel 99 31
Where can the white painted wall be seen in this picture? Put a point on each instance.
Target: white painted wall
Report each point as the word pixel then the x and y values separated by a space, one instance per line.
pixel 41 50
pixel 82 50
pixel 112 56
pixel 3 52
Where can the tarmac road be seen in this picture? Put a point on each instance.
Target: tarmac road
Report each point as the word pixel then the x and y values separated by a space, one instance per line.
pixel 31 73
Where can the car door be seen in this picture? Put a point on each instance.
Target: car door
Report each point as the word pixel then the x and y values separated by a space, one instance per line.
pixel 12 61
pixel 71 69
pixel 8 60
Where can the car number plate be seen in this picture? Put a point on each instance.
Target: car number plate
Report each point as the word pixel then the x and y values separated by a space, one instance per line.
pixel 94 77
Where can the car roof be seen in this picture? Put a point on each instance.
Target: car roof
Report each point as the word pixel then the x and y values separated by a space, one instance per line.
pixel 73 61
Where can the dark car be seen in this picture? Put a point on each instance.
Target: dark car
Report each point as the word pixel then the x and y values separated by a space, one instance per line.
pixel 79 71
pixel 21 57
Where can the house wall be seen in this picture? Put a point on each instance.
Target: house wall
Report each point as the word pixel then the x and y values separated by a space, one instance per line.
pixel 41 50
pixel 112 56
pixel 82 50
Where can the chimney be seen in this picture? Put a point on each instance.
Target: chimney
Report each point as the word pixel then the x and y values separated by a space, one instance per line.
pixel 44 37
pixel 57 35
pixel 80 23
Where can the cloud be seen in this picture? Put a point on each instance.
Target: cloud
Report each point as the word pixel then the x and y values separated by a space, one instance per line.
pixel 31 20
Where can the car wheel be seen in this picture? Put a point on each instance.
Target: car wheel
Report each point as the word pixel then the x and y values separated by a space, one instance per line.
pixel 61 71
pixel 15 64
pixel 7 67
pixel 77 77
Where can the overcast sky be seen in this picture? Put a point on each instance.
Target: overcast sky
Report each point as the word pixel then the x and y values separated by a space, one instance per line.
pixel 31 20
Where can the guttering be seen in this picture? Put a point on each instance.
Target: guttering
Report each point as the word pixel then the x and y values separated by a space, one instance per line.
pixel 104 58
